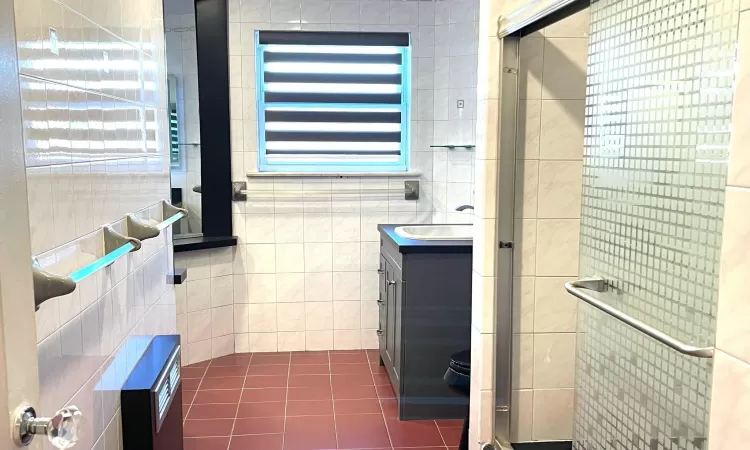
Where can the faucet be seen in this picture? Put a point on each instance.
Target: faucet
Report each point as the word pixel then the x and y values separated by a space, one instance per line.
pixel 463 207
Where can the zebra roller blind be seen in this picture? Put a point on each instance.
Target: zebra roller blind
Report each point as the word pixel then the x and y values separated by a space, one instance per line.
pixel 332 101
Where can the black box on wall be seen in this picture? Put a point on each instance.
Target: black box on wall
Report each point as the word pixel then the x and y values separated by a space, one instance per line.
pixel 151 399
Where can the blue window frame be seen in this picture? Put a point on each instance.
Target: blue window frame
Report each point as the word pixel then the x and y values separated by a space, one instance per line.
pixel 332 102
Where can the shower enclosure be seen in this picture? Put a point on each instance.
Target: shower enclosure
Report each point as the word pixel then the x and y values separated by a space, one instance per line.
pixel 657 122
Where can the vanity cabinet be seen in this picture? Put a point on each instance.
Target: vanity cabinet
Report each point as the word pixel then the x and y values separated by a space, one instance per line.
pixel 424 317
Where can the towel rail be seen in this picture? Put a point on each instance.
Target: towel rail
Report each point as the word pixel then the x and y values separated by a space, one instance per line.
pixel 49 285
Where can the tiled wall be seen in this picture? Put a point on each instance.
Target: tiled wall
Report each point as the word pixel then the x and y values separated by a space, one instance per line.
pixel 304 275
pixel 182 66
pixel 552 90
pixel 730 403
pixel 484 252
pixel 206 303
pixel 95 141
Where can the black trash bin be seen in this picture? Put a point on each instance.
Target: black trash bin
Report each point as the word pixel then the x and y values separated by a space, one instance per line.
pixel 458 378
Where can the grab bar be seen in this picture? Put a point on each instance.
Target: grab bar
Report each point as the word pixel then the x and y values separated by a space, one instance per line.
pixel 410 191
pixel 599 284
pixel 48 285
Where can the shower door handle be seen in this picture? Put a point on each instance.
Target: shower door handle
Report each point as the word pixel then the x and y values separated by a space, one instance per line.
pixel 598 284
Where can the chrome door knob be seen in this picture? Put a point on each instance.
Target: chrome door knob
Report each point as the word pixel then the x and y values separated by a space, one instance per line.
pixel 62 430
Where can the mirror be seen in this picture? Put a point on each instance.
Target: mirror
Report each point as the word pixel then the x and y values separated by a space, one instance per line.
pixel 182 80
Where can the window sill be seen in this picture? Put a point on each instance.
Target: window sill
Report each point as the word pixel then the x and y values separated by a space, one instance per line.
pixel 410 174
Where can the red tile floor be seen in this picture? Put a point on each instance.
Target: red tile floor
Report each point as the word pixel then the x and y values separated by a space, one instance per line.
pixel 301 401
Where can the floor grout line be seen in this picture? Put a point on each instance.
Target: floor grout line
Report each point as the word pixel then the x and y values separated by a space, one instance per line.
pixel 197 389
pixel 445 444
pixel 333 403
pixel 286 400
pixel 239 402
pixel 382 411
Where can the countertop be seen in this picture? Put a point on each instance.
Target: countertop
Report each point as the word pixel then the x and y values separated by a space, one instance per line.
pixel 419 246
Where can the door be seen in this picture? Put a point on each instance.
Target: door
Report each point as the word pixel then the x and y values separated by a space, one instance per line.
pixel 19 379
pixel 657 123
pixel 655 168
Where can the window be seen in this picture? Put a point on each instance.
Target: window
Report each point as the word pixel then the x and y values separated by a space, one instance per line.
pixel 332 102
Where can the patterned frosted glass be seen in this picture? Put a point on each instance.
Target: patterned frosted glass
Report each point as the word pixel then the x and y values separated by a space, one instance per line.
pixel 658 117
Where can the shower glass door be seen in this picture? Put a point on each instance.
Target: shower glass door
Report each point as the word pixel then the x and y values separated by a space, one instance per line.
pixel 657 124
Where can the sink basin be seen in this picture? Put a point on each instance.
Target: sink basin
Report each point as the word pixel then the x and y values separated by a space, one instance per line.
pixel 436 232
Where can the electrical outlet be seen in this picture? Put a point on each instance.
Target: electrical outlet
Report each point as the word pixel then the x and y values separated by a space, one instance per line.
pixel 53 45
pixel 459 104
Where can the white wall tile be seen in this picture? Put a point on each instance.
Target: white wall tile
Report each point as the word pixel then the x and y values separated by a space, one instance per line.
pixel 261 258
pixel 291 341
pixel 261 288
pixel 564 71
pixel 521 415
pixel 554 309
pixel 241 343
pixel 560 189
pixel 318 257
pixel 262 342
pixel 730 403
pixel 553 414
pixel 318 316
pixel 199 326
pixel 318 340
pixel 347 339
pixel 319 287
pixel 262 317
pixel 291 316
pixel 346 315
pixel 222 345
pixel 523 304
pixel 346 257
pixel 732 328
pixel 259 228
pixel 554 360
pixel 222 291
pixel 561 129
pixel 523 361
pixel 290 258
pixel 198 295
pixel 289 228
pixel 346 227
pixel 530 68
pixel 222 321
pixel 241 318
pixel 318 227
pixel 290 287
pixel 346 286
pixel 557 240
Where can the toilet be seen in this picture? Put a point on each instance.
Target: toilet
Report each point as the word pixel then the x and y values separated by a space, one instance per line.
pixel 458 379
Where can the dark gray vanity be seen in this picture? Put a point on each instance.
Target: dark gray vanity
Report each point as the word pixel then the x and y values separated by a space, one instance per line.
pixel 425 317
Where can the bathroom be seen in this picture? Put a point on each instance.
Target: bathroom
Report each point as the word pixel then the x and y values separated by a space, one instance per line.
pixel 529 160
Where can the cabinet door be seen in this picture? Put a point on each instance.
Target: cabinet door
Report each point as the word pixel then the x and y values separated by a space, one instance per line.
pixel 391 313
pixel 398 308
pixel 382 311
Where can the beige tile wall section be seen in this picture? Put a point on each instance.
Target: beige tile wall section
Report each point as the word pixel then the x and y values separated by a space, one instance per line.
pixel 548 205
pixel 95 142
pixel 481 417
pixel 730 403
